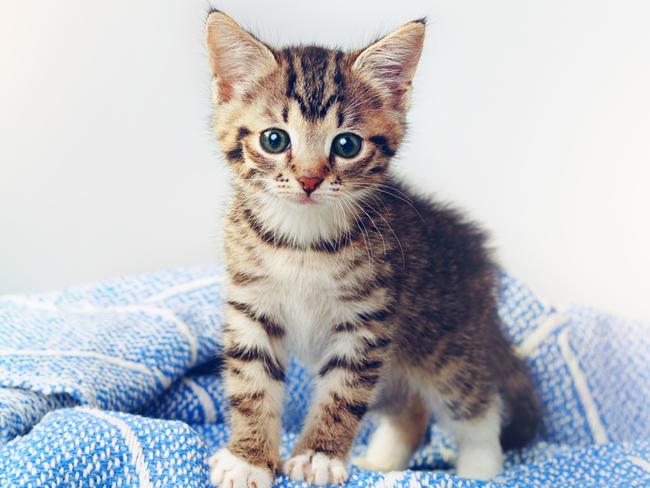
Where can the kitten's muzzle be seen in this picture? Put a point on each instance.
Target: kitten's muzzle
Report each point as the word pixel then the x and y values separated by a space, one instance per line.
pixel 310 183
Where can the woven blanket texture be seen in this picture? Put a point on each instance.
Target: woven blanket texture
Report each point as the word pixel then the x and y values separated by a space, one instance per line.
pixel 117 384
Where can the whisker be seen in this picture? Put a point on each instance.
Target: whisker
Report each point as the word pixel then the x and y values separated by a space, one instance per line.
pixel 363 231
pixel 382 185
pixel 399 243
pixel 371 220
pixel 408 202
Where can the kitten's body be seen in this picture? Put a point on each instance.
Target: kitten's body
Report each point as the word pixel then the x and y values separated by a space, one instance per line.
pixel 388 297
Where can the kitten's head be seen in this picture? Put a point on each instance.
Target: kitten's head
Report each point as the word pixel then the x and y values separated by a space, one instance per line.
pixel 305 124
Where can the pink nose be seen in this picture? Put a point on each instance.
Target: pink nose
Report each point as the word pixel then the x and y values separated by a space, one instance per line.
pixel 310 183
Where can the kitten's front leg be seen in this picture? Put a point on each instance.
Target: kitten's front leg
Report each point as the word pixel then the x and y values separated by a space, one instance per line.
pixel 255 383
pixel 345 386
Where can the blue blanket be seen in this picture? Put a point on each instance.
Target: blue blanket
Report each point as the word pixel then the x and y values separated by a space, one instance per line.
pixel 116 384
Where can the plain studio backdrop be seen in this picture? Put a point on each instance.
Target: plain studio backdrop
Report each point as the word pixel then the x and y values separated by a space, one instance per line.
pixel 534 116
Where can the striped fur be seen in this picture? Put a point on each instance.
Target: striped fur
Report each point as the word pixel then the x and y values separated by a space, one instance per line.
pixel 387 296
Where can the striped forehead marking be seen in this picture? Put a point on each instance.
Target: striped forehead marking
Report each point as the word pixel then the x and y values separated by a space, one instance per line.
pixel 314 80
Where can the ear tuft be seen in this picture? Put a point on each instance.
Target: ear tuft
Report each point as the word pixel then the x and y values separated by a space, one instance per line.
pixel 391 61
pixel 236 57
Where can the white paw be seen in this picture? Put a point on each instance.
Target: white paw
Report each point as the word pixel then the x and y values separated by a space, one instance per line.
pixel 229 471
pixel 391 459
pixel 479 462
pixel 365 463
pixel 317 469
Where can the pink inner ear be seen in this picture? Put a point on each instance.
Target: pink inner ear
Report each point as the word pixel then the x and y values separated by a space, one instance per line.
pixel 401 75
pixel 233 61
pixel 400 67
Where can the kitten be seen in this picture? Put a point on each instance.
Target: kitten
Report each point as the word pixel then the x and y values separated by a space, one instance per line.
pixel 387 296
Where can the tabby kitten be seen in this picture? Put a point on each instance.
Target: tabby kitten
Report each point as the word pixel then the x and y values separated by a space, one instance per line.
pixel 388 297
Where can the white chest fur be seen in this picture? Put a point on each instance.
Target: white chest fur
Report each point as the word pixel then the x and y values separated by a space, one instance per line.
pixel 302 294
pixel 300 290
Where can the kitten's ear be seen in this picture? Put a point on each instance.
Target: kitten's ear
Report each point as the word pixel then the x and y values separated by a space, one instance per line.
pixel 237 59
pixel 390 62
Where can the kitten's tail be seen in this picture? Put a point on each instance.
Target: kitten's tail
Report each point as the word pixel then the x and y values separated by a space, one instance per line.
pixel 522 413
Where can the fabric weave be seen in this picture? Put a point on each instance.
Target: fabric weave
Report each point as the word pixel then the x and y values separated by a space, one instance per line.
pixel 118 384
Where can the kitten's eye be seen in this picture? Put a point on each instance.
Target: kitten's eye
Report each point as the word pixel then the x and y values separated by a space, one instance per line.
pixel 346 145
pixel 274 140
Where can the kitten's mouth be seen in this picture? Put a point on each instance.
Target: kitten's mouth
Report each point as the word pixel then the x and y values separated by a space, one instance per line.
pixel 306 200
pixel 302 199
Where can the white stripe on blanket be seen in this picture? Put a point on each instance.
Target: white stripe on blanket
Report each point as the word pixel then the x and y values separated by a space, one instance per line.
pixel 124 363
pixel 86 309
pixel 204 399
pixel 132 442
pixel 536 337
pixel 171 316
pixel 580 382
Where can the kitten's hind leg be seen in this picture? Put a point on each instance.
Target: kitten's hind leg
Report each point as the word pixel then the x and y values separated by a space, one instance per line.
pixel 479 451
pixel 399 433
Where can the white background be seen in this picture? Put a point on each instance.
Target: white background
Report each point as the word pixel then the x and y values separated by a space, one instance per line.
pixel 535 116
